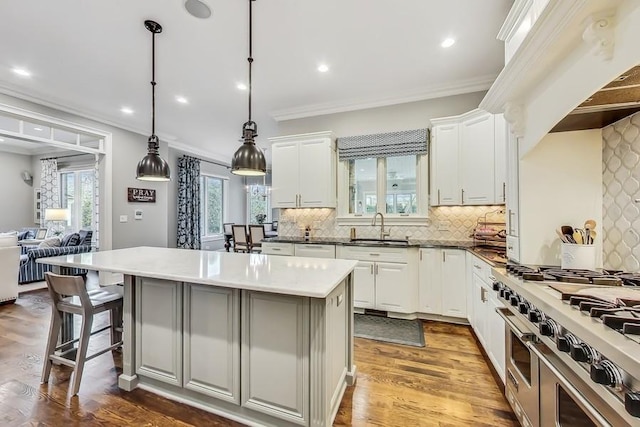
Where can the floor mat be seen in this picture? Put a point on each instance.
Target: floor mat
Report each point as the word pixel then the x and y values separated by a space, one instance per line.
pixel 397 331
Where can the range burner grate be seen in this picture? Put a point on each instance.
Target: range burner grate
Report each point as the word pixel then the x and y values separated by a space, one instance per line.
pixel 605 277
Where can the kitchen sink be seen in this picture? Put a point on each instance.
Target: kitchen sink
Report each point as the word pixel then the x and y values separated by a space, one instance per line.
pixel 380 242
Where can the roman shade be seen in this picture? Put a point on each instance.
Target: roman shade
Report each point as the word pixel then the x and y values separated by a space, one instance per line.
pixel 402 143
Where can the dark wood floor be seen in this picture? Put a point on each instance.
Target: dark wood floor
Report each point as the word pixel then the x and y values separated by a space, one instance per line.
pixel 445 384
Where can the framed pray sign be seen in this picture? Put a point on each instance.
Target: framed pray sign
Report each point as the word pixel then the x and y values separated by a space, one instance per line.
pixel 145 195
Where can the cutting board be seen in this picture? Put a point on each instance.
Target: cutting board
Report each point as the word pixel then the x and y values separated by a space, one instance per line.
pixel 613 294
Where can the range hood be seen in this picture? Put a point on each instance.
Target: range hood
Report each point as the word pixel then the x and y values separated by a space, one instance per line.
pixel 615 101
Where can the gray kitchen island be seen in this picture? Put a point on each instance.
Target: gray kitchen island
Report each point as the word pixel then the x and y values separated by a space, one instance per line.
pixel 264 340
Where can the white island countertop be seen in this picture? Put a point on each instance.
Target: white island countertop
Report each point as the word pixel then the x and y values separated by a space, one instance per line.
pixel 309 277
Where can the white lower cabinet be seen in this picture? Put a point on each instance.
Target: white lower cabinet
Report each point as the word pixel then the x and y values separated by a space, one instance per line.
pixel 278 248
pixel 442 282
pixel 384 278
pixel 314 250
pixel 487 324
pixel 212 327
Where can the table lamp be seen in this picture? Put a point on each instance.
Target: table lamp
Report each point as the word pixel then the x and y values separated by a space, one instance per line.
pixel 56 215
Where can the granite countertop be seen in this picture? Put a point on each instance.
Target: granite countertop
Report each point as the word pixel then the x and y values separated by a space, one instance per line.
pixel 309 277
pixel 460 244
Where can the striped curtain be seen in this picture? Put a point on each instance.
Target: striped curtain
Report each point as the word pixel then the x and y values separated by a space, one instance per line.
pixel 188 203
pixel 49 189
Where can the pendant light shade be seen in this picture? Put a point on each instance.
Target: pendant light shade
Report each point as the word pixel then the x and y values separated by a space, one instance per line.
pixel 152 167
pixel 249 159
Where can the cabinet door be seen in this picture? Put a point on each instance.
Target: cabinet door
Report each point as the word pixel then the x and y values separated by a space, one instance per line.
pixel 454 296
pixel 477 160
pixel 394 291
pixel 364 285
pixel 430 276
pixel 479 309
pixel 284 163
pixel 159 330
pixel 500 151
pixel 444 166
pixel 212 332
pixel 495 335
pixel 317 174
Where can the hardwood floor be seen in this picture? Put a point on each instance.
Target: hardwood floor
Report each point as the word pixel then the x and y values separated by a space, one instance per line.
pixel 445 384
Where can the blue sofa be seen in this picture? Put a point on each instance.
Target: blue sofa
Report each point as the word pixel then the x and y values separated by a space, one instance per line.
pixel 32 271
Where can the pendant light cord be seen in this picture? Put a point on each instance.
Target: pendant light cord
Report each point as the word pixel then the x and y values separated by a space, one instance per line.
pixel 250 59
pixel 153 84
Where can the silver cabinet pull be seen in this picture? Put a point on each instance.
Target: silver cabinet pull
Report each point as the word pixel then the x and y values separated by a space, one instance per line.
pixel 376 269
pixel 371 268
pixel 438 196
pixel 510 222
pixel 420 255
pixel 504 191
pixel 444 256
pixel 462 196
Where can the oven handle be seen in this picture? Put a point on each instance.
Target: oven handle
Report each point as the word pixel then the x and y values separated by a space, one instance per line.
pixel 575 394
pixel 506 314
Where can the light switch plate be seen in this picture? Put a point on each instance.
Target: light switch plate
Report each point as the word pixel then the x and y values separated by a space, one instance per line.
pixel 138 214
pixel 124 218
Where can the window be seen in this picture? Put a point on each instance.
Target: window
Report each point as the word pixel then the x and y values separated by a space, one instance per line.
pixel 258 203
pixel 211 205
pixel 395 186
pixel 77 195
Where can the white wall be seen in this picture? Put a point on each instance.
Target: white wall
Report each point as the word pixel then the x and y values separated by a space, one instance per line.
pixel 412 115
pixel 128 149
pixel 560 184
pixel 17 196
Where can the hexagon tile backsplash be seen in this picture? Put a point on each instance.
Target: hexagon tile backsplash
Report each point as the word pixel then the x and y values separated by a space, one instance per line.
pixel 621 189
pixel 460 221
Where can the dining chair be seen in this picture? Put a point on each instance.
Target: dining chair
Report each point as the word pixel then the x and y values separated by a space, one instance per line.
pixel 69 294
pixel 256 235
pixel 240 241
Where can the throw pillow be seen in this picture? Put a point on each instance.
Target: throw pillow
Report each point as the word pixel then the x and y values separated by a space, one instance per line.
pixel 71 239
pixel 22 235
pixel 51 242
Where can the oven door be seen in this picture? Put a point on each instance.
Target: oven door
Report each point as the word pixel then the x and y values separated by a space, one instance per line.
pixel 521 386
pixel 566 400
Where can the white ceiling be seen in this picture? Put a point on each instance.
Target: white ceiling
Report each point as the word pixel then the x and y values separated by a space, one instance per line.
pixel 94 57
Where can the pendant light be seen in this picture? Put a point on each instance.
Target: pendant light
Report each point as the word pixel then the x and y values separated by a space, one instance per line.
pixel 152 167
pixel 249 159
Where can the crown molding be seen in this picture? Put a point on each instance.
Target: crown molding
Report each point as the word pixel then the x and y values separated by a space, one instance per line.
pixel 527 66
pixel 514 18
pixel 58 104
pixel 203 154
pixel 436 91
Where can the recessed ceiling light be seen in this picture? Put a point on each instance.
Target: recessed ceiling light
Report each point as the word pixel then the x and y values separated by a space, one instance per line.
pixel 197 8
pixel 448 42
pixel 38 129
pixel 126 110
pixel 241 86
pixel 182 100
pixel 323 68
pixel 22 72
pixel 1 139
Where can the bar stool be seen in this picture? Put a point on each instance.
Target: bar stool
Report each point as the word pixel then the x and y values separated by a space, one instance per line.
pixel 69 295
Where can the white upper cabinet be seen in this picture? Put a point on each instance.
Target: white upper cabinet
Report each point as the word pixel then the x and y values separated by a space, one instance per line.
pixel 465 169
pixel 445 188
pixel 304 171
pixel 500 162
pixel 477 159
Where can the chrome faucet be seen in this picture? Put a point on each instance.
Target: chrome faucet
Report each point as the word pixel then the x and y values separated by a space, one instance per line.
pixel 383 233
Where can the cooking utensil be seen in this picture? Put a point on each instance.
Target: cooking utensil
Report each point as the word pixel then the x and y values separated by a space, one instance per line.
pixel 592 236
pixel 590 224
pixel 561 236
pixel 578 237
pixel 567 229
pixel 569 238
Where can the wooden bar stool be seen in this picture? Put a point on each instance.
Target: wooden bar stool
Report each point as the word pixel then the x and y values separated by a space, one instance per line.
pixel 69 295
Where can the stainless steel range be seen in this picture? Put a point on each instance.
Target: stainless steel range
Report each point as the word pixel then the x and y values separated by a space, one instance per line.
pixel 572 344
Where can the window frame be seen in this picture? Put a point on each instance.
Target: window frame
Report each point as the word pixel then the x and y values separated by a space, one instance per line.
pixel 204 237
pixel 76 170
pixel 422 195
pixel 268 200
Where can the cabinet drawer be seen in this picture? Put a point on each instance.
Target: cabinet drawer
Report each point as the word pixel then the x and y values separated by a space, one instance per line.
pixel 316 251
pixel 481 268
pixel 373 253
pixel 273 248
pixel 513 248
